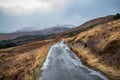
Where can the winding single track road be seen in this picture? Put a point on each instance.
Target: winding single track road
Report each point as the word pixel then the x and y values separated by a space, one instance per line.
pixel 62 64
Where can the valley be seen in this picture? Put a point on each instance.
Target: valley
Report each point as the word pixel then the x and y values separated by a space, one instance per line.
pixel 83 52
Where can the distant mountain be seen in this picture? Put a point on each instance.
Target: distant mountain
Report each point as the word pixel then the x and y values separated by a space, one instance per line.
pixel 32 31
pixel 26 29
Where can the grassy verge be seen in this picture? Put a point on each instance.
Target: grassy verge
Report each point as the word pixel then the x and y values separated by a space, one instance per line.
pixel 41 61
pixel 94 62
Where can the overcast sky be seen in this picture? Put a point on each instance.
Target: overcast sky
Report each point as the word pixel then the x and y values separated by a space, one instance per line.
pixel 17 14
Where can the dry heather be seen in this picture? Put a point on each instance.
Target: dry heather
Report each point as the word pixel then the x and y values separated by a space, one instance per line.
pixel 23 62
pixel 100 48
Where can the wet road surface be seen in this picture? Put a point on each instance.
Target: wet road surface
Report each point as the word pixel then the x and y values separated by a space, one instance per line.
pixel 62 64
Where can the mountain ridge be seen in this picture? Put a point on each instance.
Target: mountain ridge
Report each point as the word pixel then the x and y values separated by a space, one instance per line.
pixel 18 33
pixel 86 25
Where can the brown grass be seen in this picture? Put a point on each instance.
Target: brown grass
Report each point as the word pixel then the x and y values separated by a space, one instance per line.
pixel 23 62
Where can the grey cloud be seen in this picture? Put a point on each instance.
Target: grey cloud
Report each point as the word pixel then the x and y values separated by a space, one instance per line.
pixel 74 12
pixel 93 7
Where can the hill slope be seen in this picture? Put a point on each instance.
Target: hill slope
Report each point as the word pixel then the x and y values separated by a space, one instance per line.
pixel 99 47
pixel 86 25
